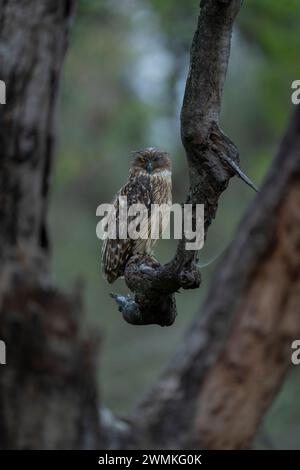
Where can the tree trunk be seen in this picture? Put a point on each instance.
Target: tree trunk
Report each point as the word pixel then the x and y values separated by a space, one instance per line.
pixel 33 44
pixel 47 389
pixel 233 359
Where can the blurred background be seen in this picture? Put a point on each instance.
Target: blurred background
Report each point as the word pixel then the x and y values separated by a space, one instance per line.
pixel 122 90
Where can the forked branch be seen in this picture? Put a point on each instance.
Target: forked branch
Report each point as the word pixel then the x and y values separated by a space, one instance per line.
pixel 212 158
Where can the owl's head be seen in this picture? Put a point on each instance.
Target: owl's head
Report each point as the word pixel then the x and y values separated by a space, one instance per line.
pixel 151 161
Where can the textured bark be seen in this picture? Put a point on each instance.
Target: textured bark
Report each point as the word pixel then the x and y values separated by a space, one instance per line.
pixel 257 354
pixel 212 158
pixel 33 38
pixel 47 389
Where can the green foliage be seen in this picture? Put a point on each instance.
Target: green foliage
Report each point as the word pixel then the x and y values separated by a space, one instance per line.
pixel 273 27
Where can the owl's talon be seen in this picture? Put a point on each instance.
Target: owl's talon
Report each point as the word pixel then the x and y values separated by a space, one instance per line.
pixel 162 313
pixel 190 279
pixel 128 307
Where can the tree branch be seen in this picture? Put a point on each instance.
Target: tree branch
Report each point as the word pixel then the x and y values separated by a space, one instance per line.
pixel 211 158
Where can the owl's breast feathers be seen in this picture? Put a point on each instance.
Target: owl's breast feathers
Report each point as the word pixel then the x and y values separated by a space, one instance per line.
pixel 141 188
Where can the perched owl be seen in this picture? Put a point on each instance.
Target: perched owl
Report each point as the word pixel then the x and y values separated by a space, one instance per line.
pixel 149 183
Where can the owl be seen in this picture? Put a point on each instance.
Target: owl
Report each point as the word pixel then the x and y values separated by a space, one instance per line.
pixel 149 182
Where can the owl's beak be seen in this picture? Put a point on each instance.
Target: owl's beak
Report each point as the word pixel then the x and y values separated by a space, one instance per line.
pixel 149 167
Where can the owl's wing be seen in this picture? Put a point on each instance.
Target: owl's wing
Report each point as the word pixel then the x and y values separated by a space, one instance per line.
pixel 116 252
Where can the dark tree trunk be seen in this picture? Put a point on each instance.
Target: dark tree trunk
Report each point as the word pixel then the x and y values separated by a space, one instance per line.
pixel 33 38
pixel 47 394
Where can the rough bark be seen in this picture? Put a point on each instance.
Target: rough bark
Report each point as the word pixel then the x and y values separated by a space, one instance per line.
pixel 257 354
pixel 47 389
pixel 33 38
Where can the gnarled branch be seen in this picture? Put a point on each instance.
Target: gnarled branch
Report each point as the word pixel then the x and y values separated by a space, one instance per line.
pixel 212 160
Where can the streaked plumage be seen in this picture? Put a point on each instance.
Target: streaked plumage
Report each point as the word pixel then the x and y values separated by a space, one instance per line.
pixel 149 182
